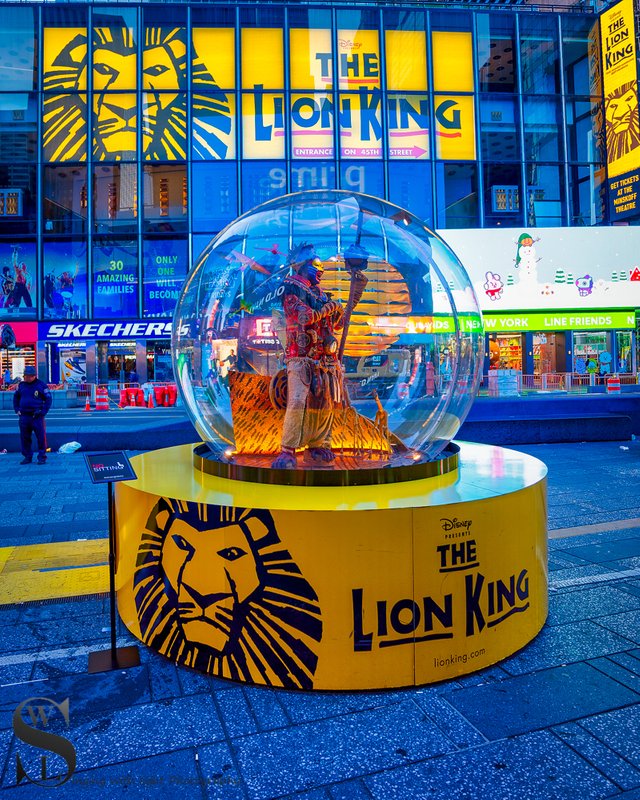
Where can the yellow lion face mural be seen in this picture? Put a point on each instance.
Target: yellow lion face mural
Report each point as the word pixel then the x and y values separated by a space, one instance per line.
pixel 216 590
pixel 621 114
pixel 116 103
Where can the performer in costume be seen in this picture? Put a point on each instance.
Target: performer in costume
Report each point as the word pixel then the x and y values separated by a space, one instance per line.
pixel 314 373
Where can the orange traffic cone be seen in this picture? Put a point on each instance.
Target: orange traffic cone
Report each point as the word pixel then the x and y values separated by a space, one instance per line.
pixel 150 402
pixel 87 405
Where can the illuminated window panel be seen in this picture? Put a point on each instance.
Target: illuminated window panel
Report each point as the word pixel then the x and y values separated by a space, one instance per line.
pixel 64 283
pixel 164 126
pixel 360 119
pixel 164 58
pixel 115 279
pixel 64 127
pixel 455 127
pixel 452 61
pixel 262 58
pixel 263 125
pixel 65 59
pixel 213 63
pixel 408 126
pixel 114 126
pixel 213 125
pixel 311 55
pixel 358 59
pixel 406 61
pixel 114 55
pixel 312 121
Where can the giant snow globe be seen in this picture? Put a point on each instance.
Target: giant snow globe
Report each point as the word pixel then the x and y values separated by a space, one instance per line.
pixel 327 337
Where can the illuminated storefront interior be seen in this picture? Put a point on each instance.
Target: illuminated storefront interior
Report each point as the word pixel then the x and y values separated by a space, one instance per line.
pixel 130 135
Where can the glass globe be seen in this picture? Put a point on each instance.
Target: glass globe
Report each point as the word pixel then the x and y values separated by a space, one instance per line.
pixel 327 330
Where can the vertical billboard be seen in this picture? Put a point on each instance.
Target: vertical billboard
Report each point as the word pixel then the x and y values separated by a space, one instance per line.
pixel 622 124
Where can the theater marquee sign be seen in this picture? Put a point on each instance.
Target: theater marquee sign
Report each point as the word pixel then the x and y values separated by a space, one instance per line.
pixel 331 97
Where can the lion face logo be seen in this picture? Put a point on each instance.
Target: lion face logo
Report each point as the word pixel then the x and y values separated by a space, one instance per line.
pixel 115 107
pixel 622 126
pixel 215 590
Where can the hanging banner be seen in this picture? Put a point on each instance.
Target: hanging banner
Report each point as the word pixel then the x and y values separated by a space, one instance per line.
pixel 622 124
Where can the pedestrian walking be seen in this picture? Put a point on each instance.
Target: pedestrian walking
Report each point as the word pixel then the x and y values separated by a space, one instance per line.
pixel 31 402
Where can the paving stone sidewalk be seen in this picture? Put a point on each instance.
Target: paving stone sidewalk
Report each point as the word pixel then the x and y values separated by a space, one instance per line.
pixel 559 719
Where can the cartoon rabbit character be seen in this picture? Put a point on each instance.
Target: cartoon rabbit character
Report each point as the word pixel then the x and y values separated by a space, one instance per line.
pixel 493 285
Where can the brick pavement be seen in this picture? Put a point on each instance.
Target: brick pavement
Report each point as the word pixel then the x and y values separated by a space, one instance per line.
pixel 559 719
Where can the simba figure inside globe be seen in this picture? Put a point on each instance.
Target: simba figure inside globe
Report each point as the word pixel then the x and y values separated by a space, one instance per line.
pixel 314 375
pixel 356 339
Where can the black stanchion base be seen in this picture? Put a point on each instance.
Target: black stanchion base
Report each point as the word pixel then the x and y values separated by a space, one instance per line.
pixel 121 658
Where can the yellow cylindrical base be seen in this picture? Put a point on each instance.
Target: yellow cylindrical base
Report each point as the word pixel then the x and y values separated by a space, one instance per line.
pixel 334 588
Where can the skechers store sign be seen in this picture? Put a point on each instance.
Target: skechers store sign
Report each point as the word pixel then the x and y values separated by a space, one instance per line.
pixel 62 331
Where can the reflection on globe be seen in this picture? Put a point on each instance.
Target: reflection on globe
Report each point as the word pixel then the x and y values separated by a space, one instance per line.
pixel 327 331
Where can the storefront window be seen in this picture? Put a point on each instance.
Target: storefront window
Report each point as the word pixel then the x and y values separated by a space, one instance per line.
pixel 624 349
pixel 18 127
pixel 499 128
pixel 64 287
pixel 502 195
pixel 116 361
pixel 214 195
pixel 165 197
pixel 65 199
pixel 549 353
pixel 17 198
pixel 542 129
pixel 159 366
pixel 17 59
pixel 592 352
pixel 115 198
pixel 115 279
pixel 539 54
pixel 505 351
pixel 410 187
pixel 496 52
pixel 587 198
pixel 18 295
pixel 457 195
pixel 545 195
pixel 165 269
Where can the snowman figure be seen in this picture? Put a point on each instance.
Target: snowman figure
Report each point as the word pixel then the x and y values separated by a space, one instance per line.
pixel 526 259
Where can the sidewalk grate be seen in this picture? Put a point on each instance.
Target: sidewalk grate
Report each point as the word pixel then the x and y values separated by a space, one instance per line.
pixel 607 577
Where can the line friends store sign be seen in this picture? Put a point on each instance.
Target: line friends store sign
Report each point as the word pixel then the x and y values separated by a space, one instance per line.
pixel 358 108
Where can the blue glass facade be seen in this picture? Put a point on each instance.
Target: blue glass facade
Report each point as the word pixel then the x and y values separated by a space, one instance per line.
pixel 130 135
